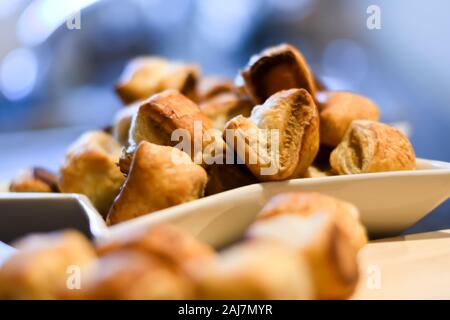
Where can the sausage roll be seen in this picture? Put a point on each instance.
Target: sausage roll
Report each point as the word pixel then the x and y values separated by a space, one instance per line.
pixel 34 179
pixel 338 110
pixel 370 146
pixel 41 267
pixel 145 76
pixel 281 137
pixel 274 69
pixel 159 177
pixel 90 168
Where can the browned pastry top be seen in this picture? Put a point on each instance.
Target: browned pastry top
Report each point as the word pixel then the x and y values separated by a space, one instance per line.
pixel 274 69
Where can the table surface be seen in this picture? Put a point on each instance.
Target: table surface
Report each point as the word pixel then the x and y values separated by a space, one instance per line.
pixel 410 267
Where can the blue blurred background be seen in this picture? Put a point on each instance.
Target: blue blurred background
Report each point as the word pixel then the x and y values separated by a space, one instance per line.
pixel 53 77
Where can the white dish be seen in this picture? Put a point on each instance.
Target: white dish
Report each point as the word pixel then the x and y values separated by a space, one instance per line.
pixel 389 203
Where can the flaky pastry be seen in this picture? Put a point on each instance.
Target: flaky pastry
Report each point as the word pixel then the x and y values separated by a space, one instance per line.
pixel 370 146
pixel 41 267
pixel 159 177
pixel 145 76
pixel 34 179
pixel 122 123
pixel 252 270
pixel 90 168
pixel 281 137
pixel 277 68
pixel 338 110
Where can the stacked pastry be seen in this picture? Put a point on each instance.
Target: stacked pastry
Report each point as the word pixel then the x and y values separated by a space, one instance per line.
pixel 181 136
pixel 301 246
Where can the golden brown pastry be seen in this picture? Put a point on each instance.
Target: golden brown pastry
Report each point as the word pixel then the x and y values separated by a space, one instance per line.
pixel 338 110
pixel 305 204
pixel 318 240
pixel 277 68
pixel 370 146
pixel 122 122
pixel 145 76
pixel 159 116
pixel 132 275
pixel 223 177
pixel 34 179
pixel 159 177
pixel 281 137
pixel 90 168
pixel 40 269
pixel 210 86
pixel 224 106
pixel 167 242
pixel 252 270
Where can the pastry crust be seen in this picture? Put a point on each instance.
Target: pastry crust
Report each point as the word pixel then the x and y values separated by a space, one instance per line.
pixel 224 106
pixel 252 270
pixel 167 242
pixel 223 177
pixel 159 116
pixel 318 240
pixel 211 86
pixel 277 68
pixel 338 110
pixel 133 275
pixel 304 204
pixel 370 146
pixel 34 179
pixel 90 168
pixel 122 123
pixel 145 76
pixel 39 269
pixel 292 117
pixel 159 177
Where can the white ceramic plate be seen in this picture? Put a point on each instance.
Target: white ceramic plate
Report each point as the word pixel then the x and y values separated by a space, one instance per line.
pixel 389 203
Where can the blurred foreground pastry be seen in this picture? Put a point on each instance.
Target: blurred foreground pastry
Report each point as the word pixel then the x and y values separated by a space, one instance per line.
pixel 145 76
pixel 370 146
pixel 34 179
pixel 132 275
pixel 323 230
pixel 164 241
pixel 90 168
pixel 253 270
pixel 274 69
pixel 41 267
pixel 159 177
pixel 281 137
pixel 338 110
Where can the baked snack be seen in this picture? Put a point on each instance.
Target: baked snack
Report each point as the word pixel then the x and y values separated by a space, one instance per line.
pixel 211 86
pixel 224 106
pixel 167 242
pixel 318 240
pixel 338 110
pixel 40 269
pixel 305 204
pixel 274 69
pixel 122 122
pixel 132 275
pixel 145 76
pixel 252 270
pixel 90 168
pixel 323 230
pixel 281 137
pixel 158 118
pixel 370 146
pixel 223 177
pixel 35 179
pixel 159 177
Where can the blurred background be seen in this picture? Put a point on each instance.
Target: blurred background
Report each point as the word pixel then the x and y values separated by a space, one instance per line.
pixel 54 77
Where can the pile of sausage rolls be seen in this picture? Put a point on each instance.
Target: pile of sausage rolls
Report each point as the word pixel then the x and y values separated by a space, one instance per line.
pixel 301 246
